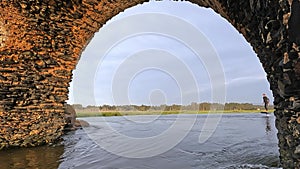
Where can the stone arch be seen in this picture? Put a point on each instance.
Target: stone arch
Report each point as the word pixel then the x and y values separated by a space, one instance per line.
pixel 40 43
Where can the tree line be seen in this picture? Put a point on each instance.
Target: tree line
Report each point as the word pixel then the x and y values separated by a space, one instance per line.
pixel 174 107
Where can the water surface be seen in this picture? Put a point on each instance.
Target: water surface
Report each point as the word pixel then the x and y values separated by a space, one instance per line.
pixel 240 141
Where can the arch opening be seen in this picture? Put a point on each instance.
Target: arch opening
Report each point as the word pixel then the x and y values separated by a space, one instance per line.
pixel 234 56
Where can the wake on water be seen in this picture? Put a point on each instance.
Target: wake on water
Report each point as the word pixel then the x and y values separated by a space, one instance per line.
pixel 249 166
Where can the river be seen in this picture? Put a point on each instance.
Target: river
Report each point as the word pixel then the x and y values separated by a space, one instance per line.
pixel 240 141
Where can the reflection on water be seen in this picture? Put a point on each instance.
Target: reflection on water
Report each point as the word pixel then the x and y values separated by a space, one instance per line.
pixel 268 124
pixel 31 158
pixel 241 141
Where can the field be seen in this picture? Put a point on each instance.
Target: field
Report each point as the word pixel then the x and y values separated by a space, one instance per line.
pixel 131 113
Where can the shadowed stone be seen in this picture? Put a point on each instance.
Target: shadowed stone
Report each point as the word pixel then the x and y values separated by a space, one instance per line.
pixel 71 122
pixel 294 22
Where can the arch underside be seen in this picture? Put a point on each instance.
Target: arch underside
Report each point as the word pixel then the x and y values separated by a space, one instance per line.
pixel 41 42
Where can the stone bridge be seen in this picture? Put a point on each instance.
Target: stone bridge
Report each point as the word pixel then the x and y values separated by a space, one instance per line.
pixel 42 40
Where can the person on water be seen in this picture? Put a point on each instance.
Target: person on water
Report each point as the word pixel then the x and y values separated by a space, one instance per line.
pixel 266 101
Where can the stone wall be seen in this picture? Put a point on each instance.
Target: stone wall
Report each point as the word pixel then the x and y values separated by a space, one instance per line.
pixel 41 42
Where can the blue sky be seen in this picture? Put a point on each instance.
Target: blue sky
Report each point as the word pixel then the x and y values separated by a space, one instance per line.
pixel 155 68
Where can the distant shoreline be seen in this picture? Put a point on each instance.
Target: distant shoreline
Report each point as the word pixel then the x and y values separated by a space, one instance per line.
pixel 192 108
pixel 135 113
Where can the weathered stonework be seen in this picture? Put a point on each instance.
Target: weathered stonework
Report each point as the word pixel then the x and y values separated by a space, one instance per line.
pixel 3 34
pixel 41 42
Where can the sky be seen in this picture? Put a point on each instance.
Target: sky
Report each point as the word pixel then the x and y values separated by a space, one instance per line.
pixel 165 52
